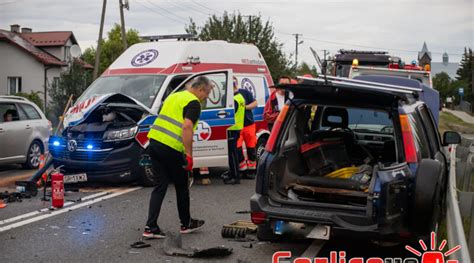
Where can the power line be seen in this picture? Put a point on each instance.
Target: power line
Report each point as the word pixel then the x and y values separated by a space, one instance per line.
pixel 372 47
pixel 166 11
pixel 363 46
pixel 160 14
pixel 183 7
pixel 203 6
pixel 186 8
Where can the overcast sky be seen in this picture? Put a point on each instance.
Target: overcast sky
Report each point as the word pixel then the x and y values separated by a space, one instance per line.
pixel 399 27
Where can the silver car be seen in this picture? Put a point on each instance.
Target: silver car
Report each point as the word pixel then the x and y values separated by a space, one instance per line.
pixel 24 132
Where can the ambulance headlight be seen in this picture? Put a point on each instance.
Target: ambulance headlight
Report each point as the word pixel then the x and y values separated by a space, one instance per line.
pixel 123 134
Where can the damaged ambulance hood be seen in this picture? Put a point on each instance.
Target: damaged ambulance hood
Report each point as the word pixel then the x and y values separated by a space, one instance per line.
pixel 82 109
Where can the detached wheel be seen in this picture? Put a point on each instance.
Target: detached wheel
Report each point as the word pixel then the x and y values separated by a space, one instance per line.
pixel 262 141
pixel 427 198
pixel 33 155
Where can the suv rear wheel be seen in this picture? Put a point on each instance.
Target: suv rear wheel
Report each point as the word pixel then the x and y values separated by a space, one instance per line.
pixel 33 156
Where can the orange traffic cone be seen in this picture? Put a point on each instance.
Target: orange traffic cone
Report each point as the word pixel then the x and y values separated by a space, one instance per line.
pixel 42 181
pixel 2 204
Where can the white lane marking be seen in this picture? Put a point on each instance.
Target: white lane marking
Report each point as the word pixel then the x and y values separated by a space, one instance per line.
pixel 313 249
pixel 16 218
pixel 67 209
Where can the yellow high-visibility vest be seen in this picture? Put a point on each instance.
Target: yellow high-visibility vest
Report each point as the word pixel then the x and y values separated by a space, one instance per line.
pixel 240 114
pixel 168 126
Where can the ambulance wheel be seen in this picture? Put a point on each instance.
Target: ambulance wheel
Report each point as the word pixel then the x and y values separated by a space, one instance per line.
pixel 262 141
pixel 33 155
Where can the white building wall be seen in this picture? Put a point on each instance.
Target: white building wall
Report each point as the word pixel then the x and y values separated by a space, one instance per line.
pixel 14 62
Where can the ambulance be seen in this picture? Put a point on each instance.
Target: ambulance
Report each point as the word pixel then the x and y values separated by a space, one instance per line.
pixel 106 129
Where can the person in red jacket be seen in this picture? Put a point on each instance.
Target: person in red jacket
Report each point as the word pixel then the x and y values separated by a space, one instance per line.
pixel 275 102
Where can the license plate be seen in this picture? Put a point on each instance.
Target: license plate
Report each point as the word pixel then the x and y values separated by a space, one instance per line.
pixel 320 232
pixel 75 178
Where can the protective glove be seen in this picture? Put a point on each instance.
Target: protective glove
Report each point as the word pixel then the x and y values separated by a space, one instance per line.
pixel 188 163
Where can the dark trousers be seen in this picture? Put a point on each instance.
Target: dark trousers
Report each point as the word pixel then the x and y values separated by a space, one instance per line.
pixel 167 165
pixel 233 153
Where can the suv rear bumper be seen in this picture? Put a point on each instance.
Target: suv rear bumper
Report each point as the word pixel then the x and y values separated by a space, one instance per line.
pixel 342 223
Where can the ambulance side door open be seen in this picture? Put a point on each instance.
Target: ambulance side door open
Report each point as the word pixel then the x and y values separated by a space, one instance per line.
pixel 210 137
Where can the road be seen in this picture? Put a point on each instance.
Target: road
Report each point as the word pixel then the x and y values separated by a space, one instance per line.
pixel 11 173
pixel 109 219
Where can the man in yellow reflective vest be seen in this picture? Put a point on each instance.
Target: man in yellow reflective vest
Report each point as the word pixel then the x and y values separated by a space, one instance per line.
pixel 233 134
pixel 170 149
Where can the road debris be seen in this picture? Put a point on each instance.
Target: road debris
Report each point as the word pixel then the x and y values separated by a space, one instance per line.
pixel 238 229
pixel 7 197
pixel 140 244
pixel 174 247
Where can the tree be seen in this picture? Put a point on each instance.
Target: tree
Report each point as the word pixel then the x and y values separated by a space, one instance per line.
pixel 442 83
pixel 464 75
pixel 71 82
pixel 235 29
pixel 33 96
pixel 111 48
pixel 305 69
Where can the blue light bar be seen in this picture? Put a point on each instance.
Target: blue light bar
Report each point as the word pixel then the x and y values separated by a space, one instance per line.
pixel 89 146
pixel 56 143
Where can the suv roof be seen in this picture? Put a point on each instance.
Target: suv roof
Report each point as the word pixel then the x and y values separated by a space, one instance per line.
pixel 351 92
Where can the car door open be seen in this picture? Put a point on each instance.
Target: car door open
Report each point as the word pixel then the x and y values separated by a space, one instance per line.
pixel 210 137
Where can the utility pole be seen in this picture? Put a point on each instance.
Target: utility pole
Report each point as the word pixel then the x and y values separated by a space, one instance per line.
pixel 325 62
pixel 296 50
pixel 124 35
pixel 97 52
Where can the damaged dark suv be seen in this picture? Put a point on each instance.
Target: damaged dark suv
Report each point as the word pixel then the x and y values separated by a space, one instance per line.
pixel 352 158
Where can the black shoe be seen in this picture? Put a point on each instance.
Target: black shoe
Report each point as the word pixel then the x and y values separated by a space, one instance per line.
pixel 231 181
pixel 153 233
pixel 194 225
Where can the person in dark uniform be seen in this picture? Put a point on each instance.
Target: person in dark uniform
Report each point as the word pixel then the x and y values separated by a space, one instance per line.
pixel 171 139
pixel 233 134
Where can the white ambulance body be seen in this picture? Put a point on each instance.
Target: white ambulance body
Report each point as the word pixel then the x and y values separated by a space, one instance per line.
pixel 149 72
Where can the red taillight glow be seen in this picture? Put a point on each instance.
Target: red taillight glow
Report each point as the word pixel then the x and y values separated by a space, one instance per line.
pixel 408 141
pixel 258 217
pixel 142 138
pixel 276 129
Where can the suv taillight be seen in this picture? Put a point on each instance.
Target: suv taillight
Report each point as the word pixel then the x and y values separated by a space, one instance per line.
pixel 408 141
pixel 276 129
pixel 258 217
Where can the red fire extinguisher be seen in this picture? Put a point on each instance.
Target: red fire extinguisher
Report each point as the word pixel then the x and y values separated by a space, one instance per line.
pixel 57 189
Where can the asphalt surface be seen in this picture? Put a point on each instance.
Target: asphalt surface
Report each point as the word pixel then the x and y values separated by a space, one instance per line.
pixel 100 223
pixel 103 231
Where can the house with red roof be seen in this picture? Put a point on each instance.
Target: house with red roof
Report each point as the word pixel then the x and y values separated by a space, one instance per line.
pixel 33 61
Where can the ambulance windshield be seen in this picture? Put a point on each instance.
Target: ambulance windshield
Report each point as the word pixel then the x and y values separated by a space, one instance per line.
pixel 142 88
